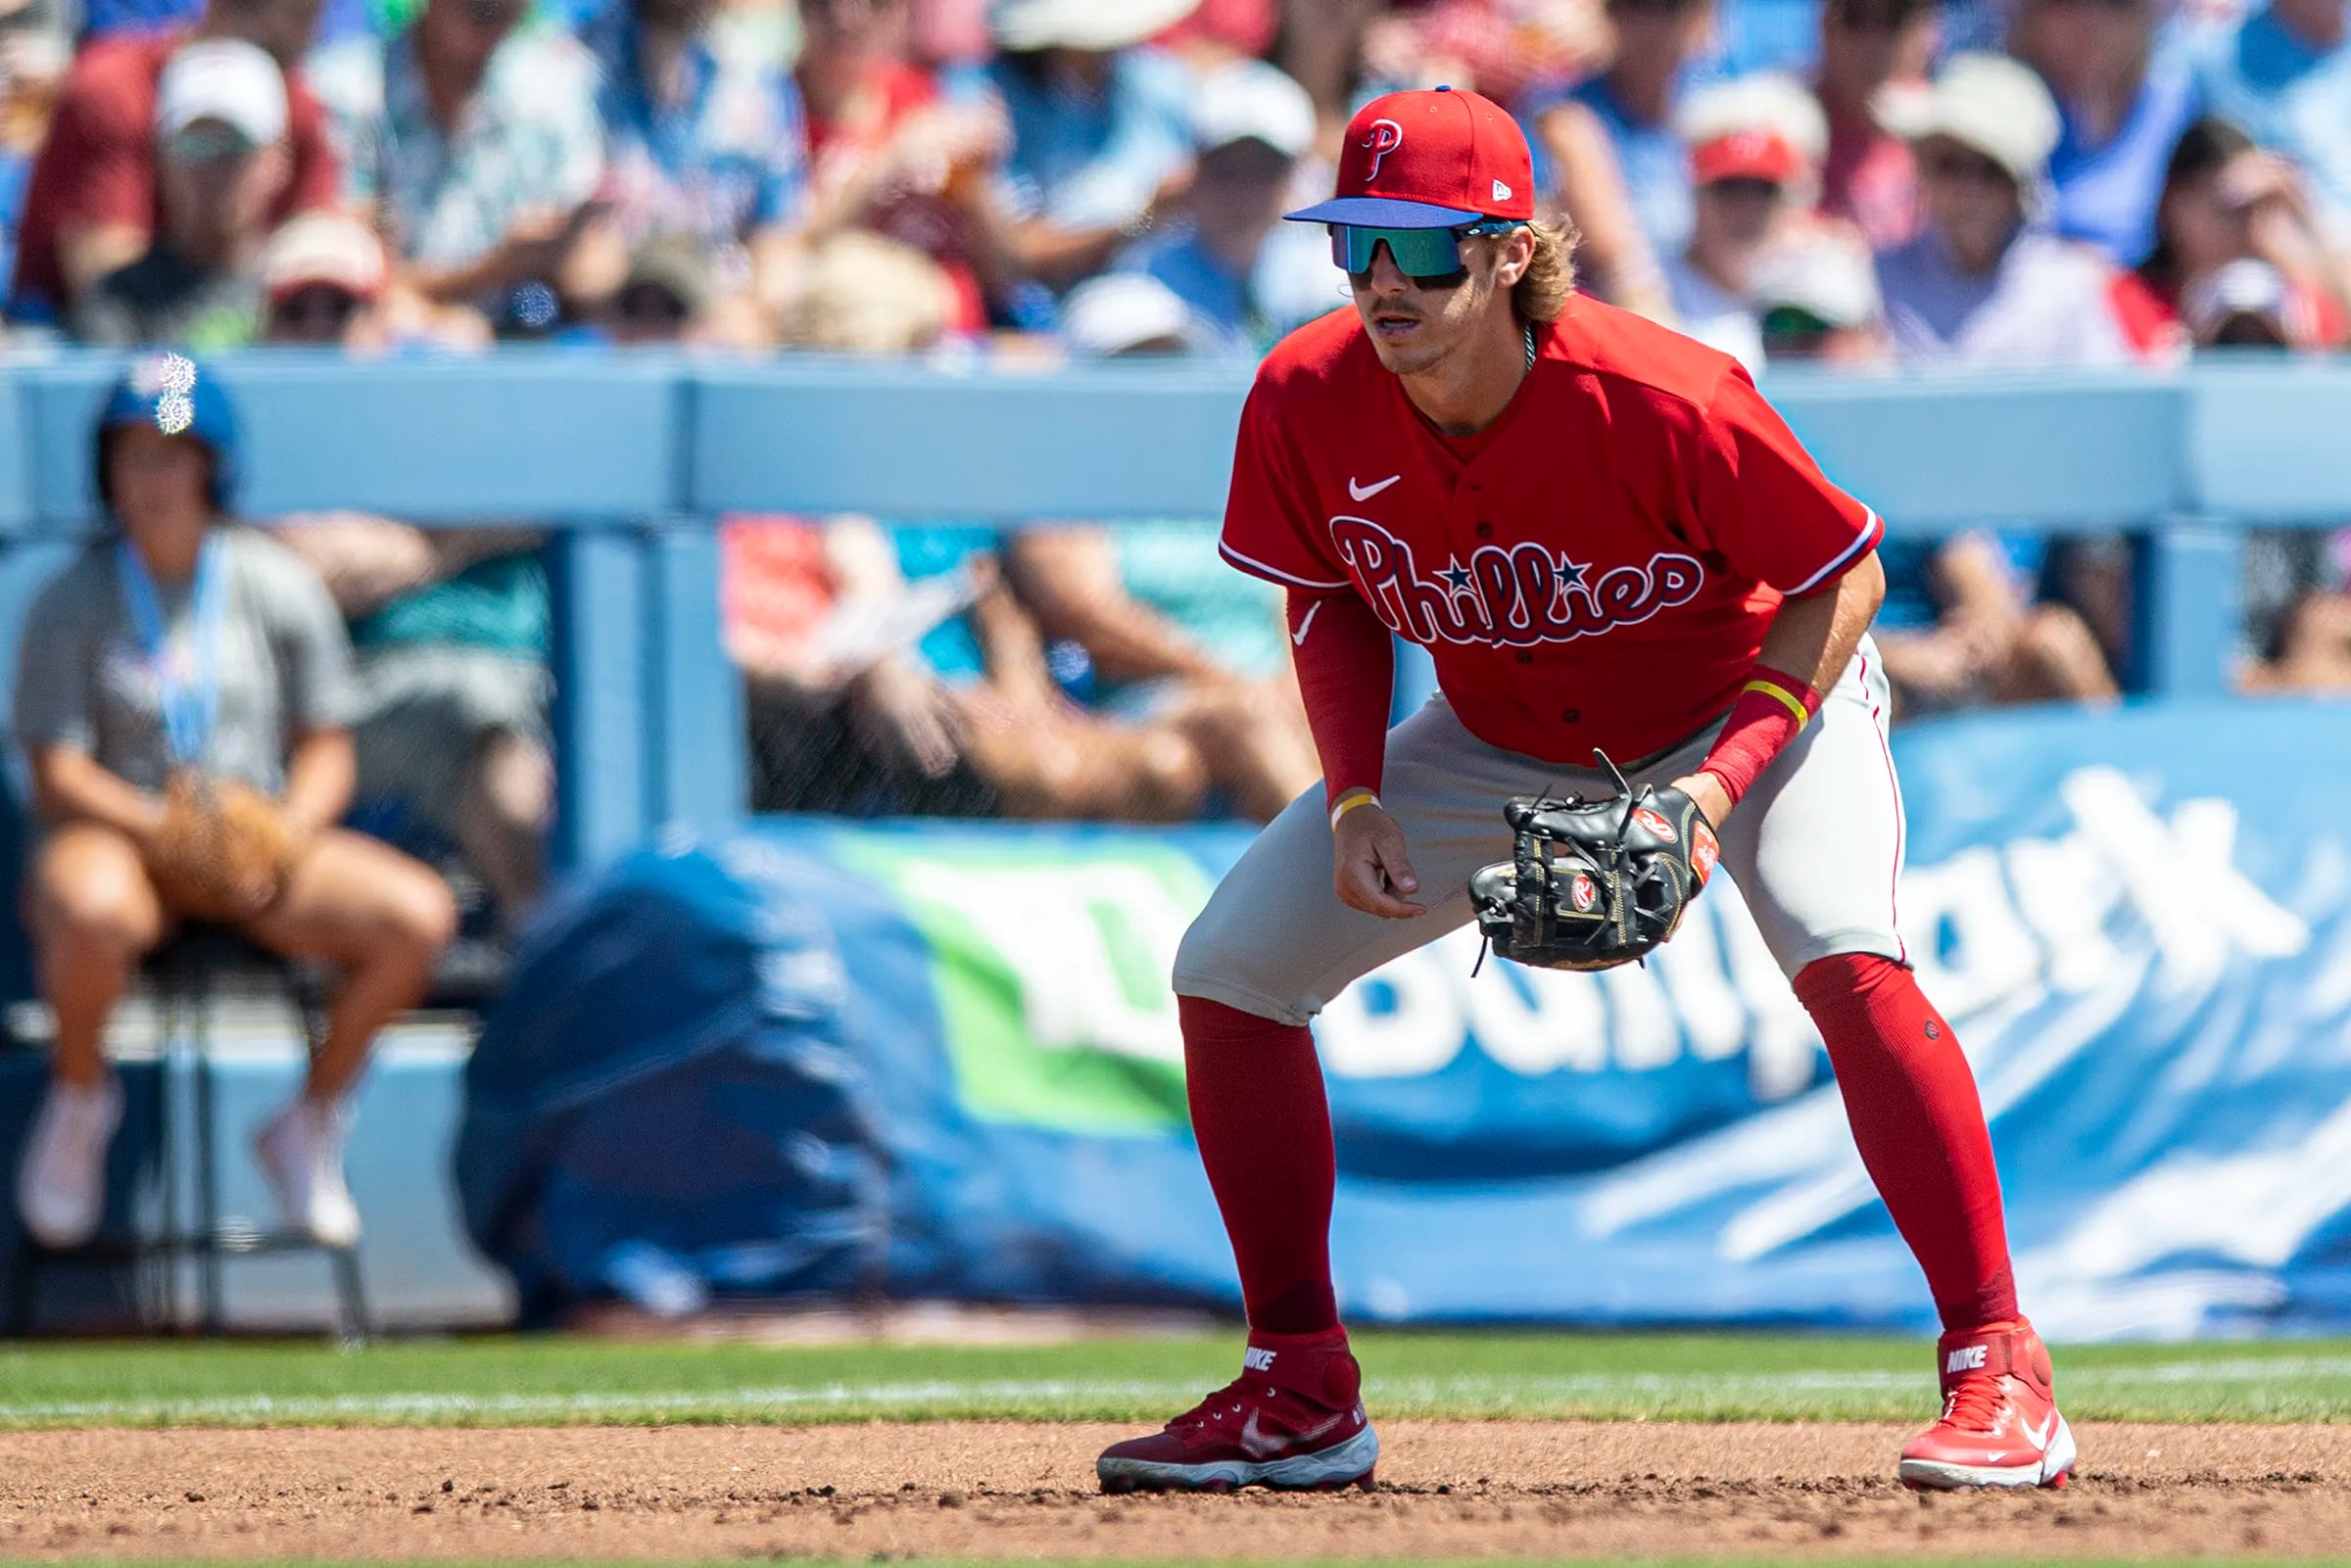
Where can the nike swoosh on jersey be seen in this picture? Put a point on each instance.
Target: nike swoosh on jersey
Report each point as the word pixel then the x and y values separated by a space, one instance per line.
pixel 1298 637
pixel 1367 491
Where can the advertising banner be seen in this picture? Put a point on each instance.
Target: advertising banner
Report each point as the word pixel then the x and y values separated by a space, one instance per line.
pixel 2139 923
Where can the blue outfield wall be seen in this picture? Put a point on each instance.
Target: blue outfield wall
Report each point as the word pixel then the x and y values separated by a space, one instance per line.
pixel 629 458
pixel 953 1046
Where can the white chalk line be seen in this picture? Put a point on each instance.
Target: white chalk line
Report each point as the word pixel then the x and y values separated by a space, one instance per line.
pixel 1499 1391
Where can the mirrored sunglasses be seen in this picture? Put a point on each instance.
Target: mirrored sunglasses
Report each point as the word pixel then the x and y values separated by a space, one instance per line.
pixel 1423 255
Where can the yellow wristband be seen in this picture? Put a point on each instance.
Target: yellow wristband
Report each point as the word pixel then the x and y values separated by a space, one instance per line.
pixel 1364 797
pixel 1772 689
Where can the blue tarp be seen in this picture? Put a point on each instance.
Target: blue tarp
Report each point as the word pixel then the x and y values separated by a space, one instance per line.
pixel 942 1057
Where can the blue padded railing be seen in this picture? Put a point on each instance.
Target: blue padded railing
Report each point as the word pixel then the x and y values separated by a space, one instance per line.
pixel 628 460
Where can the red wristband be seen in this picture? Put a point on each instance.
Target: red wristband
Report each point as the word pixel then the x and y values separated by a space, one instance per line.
pixel 1772 709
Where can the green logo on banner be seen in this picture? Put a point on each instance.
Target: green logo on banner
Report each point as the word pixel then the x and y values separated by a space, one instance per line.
pixel 1051 966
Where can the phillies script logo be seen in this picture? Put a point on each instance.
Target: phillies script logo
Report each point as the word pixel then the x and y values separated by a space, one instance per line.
pixel 1386 136
pixel 1514 597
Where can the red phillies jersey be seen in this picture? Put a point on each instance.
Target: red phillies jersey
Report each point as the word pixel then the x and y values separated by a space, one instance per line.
pixel 1596 568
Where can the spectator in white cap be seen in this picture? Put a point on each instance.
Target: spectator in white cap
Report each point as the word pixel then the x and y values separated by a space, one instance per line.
pixel 94 201
pixel 2245 305
pixel 1984 282
pixel 1755 145
pixel 219 131
pixel 1101 129
pixel 322 275
pixel 1816 298
pixel 1232 259
pixel 1131 316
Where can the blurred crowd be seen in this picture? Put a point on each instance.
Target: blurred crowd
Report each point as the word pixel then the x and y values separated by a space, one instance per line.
pixel 1860 185
pixel 1985 182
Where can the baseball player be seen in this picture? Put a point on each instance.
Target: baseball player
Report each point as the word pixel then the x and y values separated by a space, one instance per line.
pixel 1606 539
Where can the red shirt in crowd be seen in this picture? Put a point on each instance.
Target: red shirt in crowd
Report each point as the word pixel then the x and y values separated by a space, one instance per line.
pixel 1870 180
pixel 2149 312
pixel 98 166
pixel 1596 568
pixel 930 223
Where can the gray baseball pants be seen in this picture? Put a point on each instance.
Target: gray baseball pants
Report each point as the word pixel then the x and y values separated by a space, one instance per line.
pixel 1815 847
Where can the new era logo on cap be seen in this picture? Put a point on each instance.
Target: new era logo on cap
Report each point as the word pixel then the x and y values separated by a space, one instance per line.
pixel 1436 158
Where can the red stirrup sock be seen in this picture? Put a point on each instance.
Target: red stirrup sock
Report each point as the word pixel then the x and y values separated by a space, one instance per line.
pixel 1911 1100
pixel 1264 1126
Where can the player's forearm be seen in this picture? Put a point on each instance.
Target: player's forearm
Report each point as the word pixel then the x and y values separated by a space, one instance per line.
pixel 1346 664
pixel 320 778
pixel 69 785
pixel 1810 641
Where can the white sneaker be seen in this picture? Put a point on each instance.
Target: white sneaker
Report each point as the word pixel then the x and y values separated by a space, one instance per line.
pixel 61 1186
pixel 301 1152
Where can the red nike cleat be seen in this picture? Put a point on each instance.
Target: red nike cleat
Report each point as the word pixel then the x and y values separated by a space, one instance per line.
pixel 1999 1425
pixel 1292 1419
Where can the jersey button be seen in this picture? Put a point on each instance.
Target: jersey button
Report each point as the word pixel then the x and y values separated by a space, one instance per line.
pixel 1526 658
pixel 1485 530
pixel 1571 716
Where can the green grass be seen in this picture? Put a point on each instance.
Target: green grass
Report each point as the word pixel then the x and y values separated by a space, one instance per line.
pixel 557 1380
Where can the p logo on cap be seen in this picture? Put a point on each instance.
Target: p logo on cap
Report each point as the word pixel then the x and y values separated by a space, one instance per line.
pixel 1435 159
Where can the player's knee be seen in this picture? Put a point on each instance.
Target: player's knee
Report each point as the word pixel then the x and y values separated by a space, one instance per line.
pixel 1218 956
pixel 1841 978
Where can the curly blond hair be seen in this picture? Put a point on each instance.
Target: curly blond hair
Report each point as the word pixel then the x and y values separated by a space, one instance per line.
pixel 1543 293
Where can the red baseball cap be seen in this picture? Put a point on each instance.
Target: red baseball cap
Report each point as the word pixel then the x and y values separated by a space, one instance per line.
pixel 1748 155
pixel 1435 159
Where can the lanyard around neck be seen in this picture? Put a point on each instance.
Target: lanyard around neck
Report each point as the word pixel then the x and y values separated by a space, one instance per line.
pixel 187 681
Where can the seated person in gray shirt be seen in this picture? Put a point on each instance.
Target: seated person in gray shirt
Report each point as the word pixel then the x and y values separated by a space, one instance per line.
pixel 182 643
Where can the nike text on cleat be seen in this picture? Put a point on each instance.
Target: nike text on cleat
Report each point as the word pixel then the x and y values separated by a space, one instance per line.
pixel 1305 1432
pixel 2000 1426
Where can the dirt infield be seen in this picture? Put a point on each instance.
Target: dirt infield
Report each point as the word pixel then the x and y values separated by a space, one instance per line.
pixel 1447 1489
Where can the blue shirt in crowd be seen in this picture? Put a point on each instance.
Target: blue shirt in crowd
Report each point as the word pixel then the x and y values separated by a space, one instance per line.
pixel 1084 162
pixel 2287 96
pixel 2106 194
pixel 724 158
pixel 1655 166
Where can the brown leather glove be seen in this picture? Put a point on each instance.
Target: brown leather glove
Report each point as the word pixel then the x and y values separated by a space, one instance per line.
pixel 223 853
